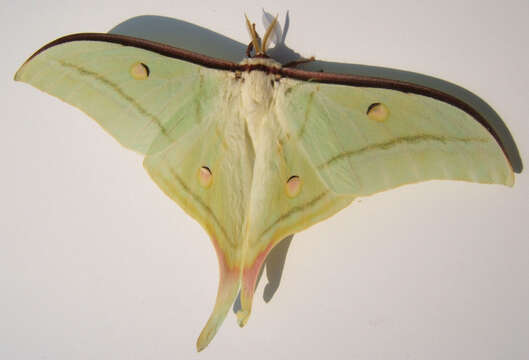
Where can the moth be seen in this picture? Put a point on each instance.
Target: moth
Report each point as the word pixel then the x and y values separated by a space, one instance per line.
pixel 256 151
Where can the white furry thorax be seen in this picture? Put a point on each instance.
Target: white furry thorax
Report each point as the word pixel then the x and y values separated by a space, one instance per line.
pixel 257 94
pixel 261 61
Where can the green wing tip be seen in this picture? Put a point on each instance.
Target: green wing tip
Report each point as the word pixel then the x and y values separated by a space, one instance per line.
pixel 204 339
pixel 200 346
pixel 17 75
pixel 242 317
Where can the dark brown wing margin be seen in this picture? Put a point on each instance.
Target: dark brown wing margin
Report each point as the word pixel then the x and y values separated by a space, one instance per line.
pixel 373 82
pixel 318 77
pixel 156 47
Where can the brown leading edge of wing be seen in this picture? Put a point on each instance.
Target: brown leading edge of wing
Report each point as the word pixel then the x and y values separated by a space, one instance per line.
pixel 409 87
pixel 321 77
pixel 156 47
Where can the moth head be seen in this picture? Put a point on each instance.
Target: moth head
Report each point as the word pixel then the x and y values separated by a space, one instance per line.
pixel 258 45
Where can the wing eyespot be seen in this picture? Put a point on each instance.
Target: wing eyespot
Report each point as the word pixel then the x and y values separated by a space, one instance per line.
pixel 377 112
pixel 140 71
pixel 293 186
pixel 205 177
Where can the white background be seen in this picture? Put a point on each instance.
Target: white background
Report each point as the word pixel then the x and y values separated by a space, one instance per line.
pixel 96 263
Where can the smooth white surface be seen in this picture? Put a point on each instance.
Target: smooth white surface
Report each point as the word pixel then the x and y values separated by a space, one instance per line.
pixel 95 262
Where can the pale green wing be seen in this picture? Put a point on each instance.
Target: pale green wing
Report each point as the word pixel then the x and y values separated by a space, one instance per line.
pixel 252 169
pixel 177 113
pixel 288 196
pixel 208 172
pixel 407 139
pixel 143 111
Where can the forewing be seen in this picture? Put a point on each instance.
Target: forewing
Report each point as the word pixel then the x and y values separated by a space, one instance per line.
pixel 144 112
pixel 418 138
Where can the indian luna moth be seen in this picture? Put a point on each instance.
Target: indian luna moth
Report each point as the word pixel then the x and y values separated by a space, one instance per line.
pixel 256 151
